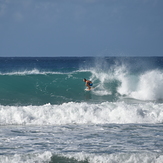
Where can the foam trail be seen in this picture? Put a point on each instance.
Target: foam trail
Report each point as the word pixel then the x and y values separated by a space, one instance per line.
pixel 82 113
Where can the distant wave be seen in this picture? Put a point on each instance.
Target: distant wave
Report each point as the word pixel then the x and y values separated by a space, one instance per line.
pixel 31 72
pixel 40 72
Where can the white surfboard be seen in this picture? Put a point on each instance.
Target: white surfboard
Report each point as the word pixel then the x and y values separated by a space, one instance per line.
pixel 89 89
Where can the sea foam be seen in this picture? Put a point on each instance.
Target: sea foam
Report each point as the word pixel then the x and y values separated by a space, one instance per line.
pixel 145 85
pixel 83 157
pixel 28 158
pixel 82 113
pixel 150 86
pixel 119 157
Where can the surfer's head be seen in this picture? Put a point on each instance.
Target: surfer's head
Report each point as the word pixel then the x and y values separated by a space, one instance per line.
pixel 84 80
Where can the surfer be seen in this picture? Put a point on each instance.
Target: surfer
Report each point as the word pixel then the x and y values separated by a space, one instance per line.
pixel 88 83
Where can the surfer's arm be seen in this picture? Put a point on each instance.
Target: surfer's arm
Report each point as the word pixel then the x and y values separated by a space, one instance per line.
pixel 88 81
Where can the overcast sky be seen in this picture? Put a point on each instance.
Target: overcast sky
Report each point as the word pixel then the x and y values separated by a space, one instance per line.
pixel 81 28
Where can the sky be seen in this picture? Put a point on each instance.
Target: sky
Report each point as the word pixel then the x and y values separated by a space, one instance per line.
pixel 51 28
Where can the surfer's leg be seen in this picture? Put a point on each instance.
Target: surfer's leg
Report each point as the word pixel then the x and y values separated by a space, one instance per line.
pixel 88 86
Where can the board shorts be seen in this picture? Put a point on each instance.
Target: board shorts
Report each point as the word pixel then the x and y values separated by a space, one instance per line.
pixel 90 84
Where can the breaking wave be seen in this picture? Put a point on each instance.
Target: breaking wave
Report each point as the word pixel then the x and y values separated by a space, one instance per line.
pixel 82 113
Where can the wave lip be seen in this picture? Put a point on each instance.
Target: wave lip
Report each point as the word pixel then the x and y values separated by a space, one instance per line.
pixel 82 113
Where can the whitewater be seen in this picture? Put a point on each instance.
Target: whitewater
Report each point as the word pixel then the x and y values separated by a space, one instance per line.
pixel 47 116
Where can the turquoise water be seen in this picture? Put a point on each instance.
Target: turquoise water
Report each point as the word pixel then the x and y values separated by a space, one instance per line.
pixel 38 81
pixel 54 88
pixel 47 116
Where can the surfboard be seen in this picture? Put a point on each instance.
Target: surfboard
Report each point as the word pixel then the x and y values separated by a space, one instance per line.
pixel 89 89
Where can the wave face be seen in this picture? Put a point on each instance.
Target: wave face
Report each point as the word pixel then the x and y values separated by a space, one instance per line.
pixel 38 81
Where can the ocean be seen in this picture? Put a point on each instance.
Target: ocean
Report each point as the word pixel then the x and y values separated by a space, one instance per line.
pixel 46 116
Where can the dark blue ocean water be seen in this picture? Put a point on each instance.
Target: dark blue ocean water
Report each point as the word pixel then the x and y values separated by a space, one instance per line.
pixel 47 116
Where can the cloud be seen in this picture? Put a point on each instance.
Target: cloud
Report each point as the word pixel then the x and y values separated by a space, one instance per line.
pixel 18 16
pixel 3 7
pixel 90 26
